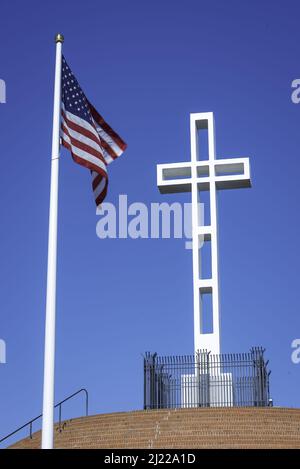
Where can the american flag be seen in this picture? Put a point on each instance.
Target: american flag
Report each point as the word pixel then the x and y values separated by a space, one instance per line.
pixel 91 141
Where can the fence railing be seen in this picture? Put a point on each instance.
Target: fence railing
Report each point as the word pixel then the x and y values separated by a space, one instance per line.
pixel 206 380
pixel 29 424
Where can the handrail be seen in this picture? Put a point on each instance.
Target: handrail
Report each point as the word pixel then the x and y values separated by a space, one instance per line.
pixel 59 404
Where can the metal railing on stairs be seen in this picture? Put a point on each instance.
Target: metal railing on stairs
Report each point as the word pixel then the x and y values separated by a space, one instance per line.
pixel 58 405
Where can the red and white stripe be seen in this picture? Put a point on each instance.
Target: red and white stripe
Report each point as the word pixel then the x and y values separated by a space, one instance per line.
pixel 93 146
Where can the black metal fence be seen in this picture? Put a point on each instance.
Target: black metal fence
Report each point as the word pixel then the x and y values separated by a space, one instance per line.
pixel 206 380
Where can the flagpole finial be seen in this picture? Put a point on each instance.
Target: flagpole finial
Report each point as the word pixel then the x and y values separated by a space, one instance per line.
pixel 59 38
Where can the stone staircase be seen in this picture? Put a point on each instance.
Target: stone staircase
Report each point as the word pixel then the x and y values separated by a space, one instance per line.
pixel 179 428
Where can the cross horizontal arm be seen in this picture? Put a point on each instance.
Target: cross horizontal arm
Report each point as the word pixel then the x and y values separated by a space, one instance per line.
pixel 225 173
pixel 232 173
pixel 174 177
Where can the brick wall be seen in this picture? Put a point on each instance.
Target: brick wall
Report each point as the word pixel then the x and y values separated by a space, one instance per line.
pixel 181 428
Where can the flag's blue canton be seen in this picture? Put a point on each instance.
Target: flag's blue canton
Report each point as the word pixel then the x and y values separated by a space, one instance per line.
pixel 72 95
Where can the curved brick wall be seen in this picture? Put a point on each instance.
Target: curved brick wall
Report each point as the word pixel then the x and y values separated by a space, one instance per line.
pixel 181 428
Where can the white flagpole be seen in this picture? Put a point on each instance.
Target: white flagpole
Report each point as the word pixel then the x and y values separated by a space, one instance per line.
pixel 49 357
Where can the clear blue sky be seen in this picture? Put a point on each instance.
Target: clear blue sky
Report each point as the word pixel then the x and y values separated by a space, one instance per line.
pixel 146 66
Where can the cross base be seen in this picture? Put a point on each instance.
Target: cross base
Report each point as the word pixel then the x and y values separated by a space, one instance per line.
pixel 206 390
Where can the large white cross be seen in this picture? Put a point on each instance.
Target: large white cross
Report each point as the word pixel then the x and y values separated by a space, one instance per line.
pixel 197 176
